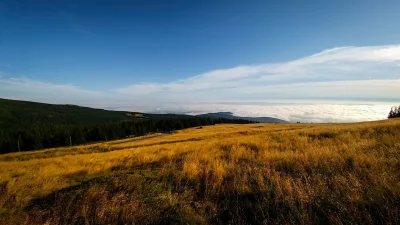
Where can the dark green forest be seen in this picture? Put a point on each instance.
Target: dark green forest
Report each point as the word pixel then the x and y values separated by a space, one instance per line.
pixel 19 114
pixel 394 112
pixel 29 126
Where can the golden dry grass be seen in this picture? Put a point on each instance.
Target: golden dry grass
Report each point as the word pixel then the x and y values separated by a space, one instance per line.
pixel 257 173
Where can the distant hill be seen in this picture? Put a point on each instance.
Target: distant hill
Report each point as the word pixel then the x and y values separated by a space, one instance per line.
pixel 229 115
pixel 18 114
pixel 28 126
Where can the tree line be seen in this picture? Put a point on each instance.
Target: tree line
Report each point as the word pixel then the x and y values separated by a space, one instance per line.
pixel 40 136
pixel 394 112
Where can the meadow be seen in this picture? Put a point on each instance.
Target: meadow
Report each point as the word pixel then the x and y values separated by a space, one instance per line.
pixel 221 174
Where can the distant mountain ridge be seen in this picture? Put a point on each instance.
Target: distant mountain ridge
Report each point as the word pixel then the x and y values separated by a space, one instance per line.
pixel 229 115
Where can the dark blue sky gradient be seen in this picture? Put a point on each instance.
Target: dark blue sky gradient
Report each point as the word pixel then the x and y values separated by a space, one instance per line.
pixel 109 44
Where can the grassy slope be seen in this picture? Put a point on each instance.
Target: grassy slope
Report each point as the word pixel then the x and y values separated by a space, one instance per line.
pixel 17 114
pixel 276 173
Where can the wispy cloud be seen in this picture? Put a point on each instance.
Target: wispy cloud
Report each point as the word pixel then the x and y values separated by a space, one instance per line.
pixel 350 67
pixel 355 74
pixel 351 90
pixel 24 88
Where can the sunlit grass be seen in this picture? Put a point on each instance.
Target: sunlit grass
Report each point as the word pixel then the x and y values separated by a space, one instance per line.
pixel 257 173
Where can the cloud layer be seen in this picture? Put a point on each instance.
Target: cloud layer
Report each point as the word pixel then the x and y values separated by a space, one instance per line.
pixel 305 112
pixel 356 74
pixel 352 67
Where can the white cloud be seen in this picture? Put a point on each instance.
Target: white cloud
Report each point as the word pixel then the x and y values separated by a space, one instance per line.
pixel 338 64
pixel 23 88
pixel 359 89
pixel 304 112
pixel 356 74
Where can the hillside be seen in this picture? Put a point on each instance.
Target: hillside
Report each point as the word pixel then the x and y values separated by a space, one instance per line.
pixel 16 114
pixel 222 174
pixel 229 115
pixel 28 126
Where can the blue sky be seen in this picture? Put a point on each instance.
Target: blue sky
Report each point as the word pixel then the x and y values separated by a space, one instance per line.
pixel 149 55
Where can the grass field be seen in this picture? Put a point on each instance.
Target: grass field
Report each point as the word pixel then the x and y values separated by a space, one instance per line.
pixel 222 174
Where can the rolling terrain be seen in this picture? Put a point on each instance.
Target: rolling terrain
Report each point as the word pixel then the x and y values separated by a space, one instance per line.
pixel 18 114
pixel 26 126
pixel 221 174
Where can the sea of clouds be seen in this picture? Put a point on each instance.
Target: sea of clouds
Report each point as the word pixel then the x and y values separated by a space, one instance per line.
pixel 292 112
pixel 342 84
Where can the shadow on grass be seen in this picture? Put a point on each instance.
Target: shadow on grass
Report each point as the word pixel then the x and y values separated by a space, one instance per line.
pixel 147 193
pixel 150 194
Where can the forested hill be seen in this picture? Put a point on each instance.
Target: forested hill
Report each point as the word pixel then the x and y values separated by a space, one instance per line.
pixel 229 115
pixel 16 114
pixel 28 126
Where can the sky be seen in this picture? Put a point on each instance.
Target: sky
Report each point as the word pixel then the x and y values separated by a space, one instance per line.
pixel 312 61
